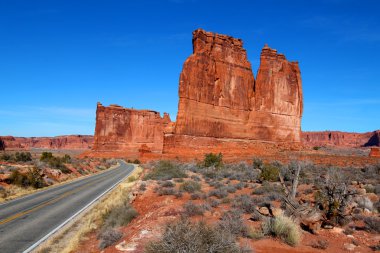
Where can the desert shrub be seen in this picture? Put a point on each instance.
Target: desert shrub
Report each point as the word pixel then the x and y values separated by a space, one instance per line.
pixel 219 193
pixel 244 203
pixel 190 186
pixel 369 188
pixel 211 159
pixel 31 178
pixel 255 233
pixel 195 196
pixel 257 163
pixel 364 202
pixel 191 209
pixel 334 195
pixel 232 222
pixel 270 172
pixel 214 202
pixel 66 158
pixel 57 163
pixel 165 170
pixel 119 215
pixel 320 244
pixel 136 161
pixel 283 228
pixel 372 224
pixel 35 179
pixel 19 179
pixel 109 237
pixel 167 184
pixel 230 188
pixel 166 191
pixel 316 148
pixel 184 236
pixel 377 189
pixel 195 178
pixel 45 156
pixel 142 187
pixel 23 157
pixel 6 157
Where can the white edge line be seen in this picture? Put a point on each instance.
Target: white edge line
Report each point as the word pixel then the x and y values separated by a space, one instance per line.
pixel 73 216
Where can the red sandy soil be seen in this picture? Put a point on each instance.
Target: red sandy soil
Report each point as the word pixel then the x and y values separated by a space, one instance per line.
pixel 155 211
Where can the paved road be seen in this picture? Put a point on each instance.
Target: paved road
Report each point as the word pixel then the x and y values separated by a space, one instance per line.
pixel 26 220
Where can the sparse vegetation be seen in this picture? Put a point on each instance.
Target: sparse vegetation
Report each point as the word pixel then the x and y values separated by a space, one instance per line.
pixel 17 157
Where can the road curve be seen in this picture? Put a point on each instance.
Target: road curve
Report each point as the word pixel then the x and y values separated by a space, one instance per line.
pixel 26 220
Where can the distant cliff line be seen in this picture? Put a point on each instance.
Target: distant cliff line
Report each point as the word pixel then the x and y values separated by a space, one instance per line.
pixel 85 142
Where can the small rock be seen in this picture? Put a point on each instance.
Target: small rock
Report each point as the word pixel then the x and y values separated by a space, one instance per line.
pixel 349 246
pixel 263 210
pixel 361 191
pixel 277 212
pixel 366 211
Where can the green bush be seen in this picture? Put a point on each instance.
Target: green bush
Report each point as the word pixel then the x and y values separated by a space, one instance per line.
pixel 165 170
pixel 284 228
pixel 23 157
pixel 56 162
pixel 31 178
pixel 45 156
pixel 190 186
pixel 270 172
pixel 213 160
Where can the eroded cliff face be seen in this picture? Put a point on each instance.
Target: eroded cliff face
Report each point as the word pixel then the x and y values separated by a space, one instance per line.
pixel 218 95
pixel 341 139
pixel 129 130
pixel 69 142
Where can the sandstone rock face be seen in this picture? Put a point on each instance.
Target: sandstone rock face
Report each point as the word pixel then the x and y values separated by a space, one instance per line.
pixel 218 95
pixel 341 139
pixel 69 142
pixel 129 130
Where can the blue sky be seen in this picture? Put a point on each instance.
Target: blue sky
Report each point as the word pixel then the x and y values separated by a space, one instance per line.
pixel 58 58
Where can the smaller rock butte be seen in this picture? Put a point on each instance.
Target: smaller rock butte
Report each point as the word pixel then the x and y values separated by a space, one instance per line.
pixel 132 131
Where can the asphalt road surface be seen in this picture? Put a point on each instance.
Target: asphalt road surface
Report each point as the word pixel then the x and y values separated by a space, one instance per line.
pixel 26 220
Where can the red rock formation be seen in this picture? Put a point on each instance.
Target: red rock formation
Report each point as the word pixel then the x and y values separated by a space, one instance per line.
pixel 130 131
pixel 220 105
pixel 218 96
pixel 69 142
pixel 341 139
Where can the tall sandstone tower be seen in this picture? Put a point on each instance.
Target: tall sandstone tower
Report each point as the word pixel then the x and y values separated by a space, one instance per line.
pixel 221 106
pixel 218 95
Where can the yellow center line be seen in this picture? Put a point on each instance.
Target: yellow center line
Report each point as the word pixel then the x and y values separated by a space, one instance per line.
pixel 17 215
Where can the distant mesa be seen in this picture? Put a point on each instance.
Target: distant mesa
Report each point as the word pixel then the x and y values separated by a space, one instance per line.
pixel 69 142
pixel 221 105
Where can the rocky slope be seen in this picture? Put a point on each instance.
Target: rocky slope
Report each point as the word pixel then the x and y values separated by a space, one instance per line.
pixel 79 142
